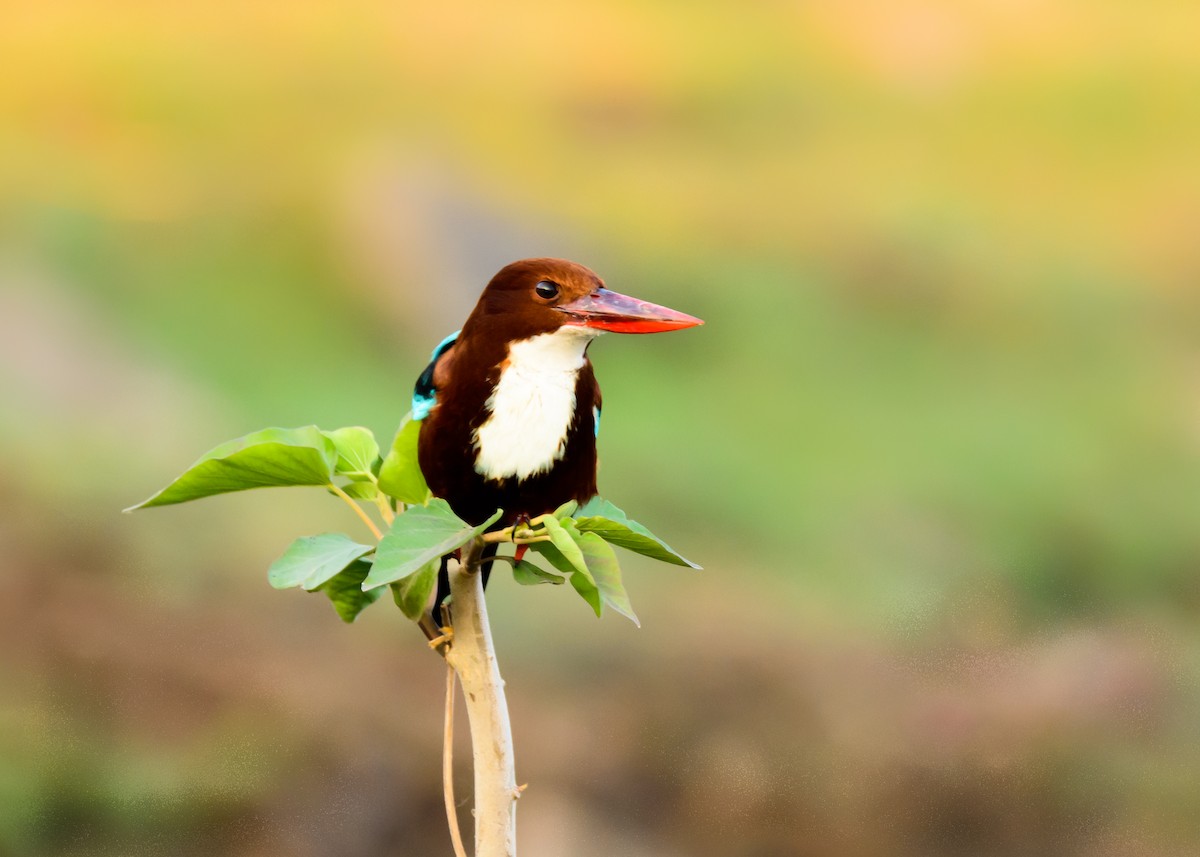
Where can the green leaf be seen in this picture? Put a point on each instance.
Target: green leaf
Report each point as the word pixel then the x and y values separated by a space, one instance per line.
pixel 312 560
pixel 586 587
pixel 418 537
pixel 400 476
pixel 599 581
pixel 356 448
pixel 528 574
pixel 268 458
pixel 411 593
pixel 566 510
pixel 611 524
pixel 580 575
pixel 361 490
pixel 606 575
pixel 346 593
pixel 554 556
pixel 562 539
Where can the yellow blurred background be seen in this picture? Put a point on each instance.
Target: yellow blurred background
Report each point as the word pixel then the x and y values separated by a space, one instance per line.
pixel 937 446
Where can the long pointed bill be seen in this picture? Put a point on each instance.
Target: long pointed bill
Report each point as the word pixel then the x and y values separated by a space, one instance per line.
pixel 608 310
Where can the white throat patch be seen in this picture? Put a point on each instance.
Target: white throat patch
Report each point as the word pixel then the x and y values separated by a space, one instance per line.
pixel 533 405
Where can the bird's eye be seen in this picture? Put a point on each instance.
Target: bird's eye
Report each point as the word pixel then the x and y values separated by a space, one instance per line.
pixel 546 289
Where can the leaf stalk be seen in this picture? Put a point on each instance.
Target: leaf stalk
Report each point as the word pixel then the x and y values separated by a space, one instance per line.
pixel 358 510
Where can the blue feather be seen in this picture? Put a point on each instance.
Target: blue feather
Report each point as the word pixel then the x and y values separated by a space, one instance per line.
pixel 424 394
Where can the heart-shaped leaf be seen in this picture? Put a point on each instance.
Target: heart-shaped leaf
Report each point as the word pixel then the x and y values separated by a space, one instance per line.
pixel 599 581
pixel 418 537
pixel 361 490
pixel 400 476
pixel 588 592
pixel 579 574
pixel 268 458
pixel 611 524
pixel 356 448
pixel 566 510
pixel 346 593
pixel 554 556
pixel 411 593
pixel 564 540
pixel 606 575
pixel 311 561
pixel 528 574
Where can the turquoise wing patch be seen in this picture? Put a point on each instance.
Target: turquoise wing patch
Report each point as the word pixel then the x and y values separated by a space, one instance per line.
pixel 424 394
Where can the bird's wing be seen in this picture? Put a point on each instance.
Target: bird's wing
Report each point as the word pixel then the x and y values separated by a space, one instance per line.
pixel 425 390
pixel 596 401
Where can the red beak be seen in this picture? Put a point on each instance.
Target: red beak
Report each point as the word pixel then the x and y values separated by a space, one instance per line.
pixel 608 310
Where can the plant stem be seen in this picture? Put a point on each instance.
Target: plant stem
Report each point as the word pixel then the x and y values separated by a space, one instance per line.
pixel 385 510
pixel 448 767
pixel 381 500
pixel 507 535
pixel 358 510
pixel 473 657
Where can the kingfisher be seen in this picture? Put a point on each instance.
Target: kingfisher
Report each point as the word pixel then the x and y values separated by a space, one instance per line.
pixel 509 405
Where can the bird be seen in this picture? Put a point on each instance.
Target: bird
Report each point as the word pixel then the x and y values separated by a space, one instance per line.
pixel 509 405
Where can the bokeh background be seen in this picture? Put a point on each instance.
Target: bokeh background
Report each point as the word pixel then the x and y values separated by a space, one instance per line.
pixel 937 446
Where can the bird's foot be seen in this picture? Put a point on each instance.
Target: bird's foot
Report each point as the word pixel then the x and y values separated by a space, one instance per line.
pixel 522 529
pixel 522 526
pixel 447 636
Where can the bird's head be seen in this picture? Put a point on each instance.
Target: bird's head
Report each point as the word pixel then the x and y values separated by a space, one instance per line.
pixel 542 295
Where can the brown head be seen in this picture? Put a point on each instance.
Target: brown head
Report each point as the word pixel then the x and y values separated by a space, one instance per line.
pixel 535 296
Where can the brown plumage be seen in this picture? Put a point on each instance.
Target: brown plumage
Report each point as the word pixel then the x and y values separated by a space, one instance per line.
pixel 503 429
pixel 465 377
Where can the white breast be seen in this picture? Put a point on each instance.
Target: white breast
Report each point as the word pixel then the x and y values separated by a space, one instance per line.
pixel 533 405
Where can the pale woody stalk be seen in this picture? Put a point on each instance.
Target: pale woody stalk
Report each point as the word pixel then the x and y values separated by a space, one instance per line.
pixel 473 657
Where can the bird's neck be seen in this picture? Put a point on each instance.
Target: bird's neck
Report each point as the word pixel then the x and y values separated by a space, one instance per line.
pixel 532 406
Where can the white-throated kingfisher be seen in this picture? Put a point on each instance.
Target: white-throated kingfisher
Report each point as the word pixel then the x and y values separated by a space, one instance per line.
pixel 510 407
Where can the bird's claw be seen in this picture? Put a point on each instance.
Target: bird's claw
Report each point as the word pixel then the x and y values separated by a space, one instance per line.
pixel 522 527
pixel 447 636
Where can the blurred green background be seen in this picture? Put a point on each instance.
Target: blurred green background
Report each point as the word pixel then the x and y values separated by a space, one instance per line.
pixel 937 446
